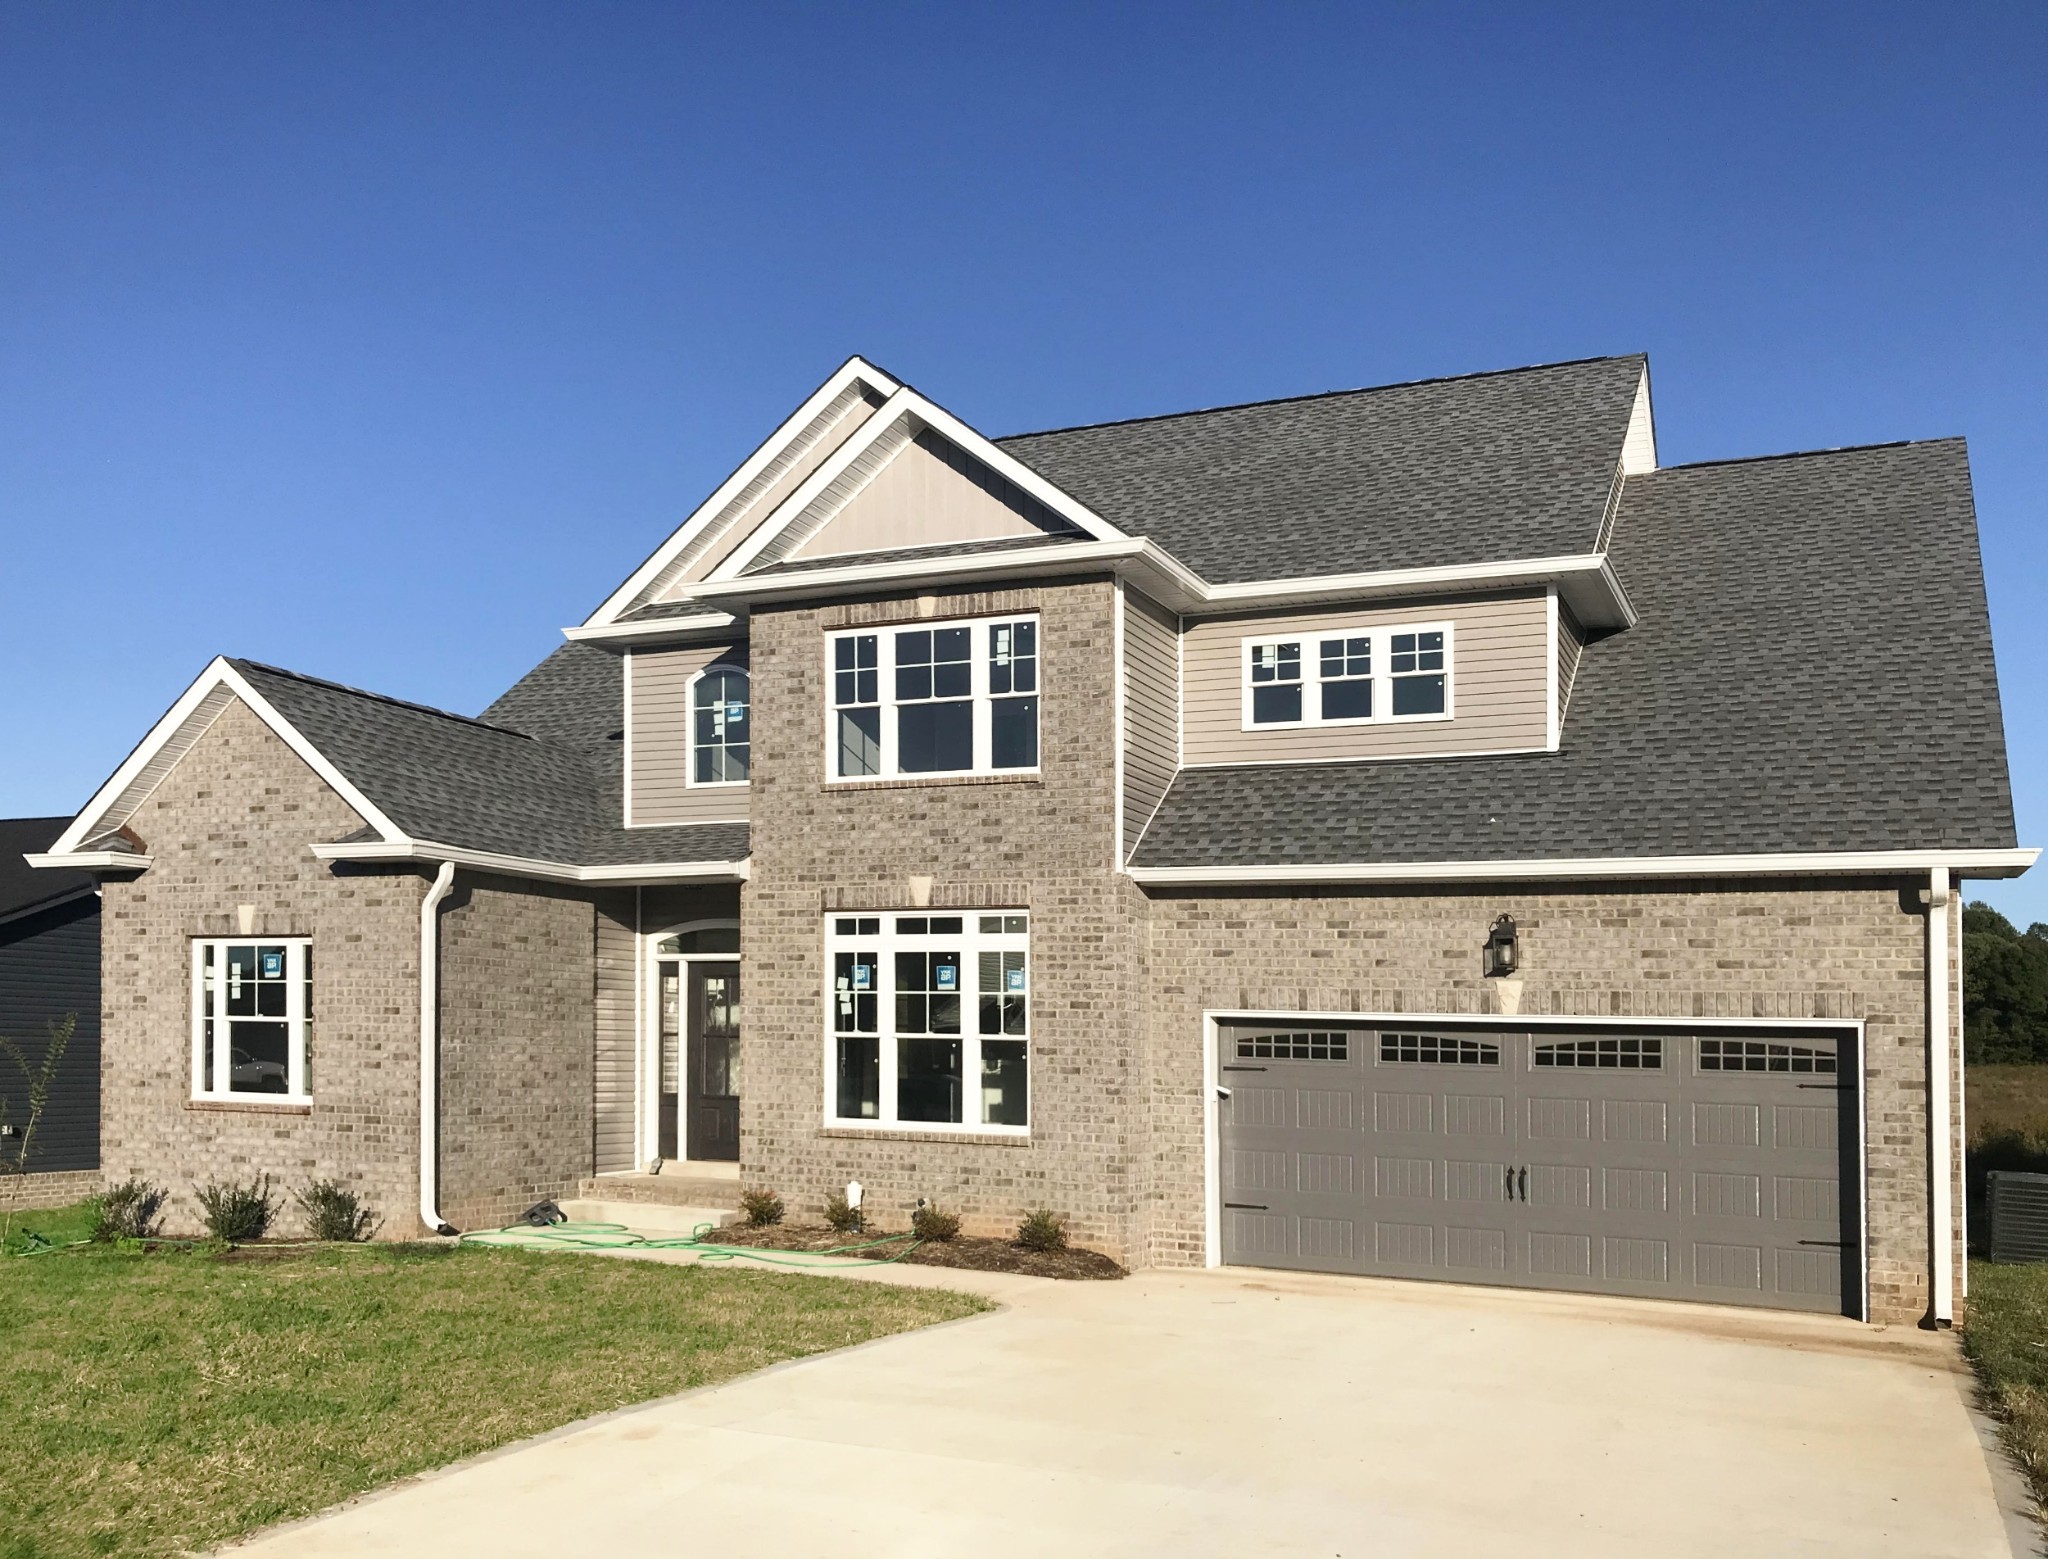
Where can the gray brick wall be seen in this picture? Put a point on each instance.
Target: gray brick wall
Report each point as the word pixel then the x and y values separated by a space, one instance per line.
pixel 229 826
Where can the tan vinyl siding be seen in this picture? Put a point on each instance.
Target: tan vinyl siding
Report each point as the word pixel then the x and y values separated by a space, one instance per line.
pixel 658 728
pixel 929 493
pixel 1151 713
pixel 1571 645
pixel 616 1001
pixel 1500 693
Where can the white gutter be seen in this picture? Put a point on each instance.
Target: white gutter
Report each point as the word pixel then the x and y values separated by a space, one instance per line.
pixel 1974 863
pixel 400 850
pixel 654 627
pixel 430 1049
pixel 1940 1142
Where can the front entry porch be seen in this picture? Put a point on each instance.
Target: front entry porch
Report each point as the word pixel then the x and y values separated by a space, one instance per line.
pixel 681 1197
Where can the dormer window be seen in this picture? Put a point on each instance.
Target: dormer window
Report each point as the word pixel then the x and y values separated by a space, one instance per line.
pixel 1348 676
pixel 719 743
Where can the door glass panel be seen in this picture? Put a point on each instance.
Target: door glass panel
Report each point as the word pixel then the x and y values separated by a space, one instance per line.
pixel 719 1013
pixel 671 1028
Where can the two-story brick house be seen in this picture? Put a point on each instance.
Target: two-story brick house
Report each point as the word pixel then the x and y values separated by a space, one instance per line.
pixel 1400 831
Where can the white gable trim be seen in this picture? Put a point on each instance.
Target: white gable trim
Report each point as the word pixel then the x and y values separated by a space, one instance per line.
pixel 854 374
pixel 845 472
pixel 175 735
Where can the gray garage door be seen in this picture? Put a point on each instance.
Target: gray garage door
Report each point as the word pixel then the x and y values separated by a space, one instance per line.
pixel 1650 1161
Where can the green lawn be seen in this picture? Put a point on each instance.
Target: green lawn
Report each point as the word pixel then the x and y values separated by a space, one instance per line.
pixel 165 1402
pixel 2005 1326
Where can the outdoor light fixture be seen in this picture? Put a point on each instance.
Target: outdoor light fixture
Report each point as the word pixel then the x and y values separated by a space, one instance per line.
pixel 1502 955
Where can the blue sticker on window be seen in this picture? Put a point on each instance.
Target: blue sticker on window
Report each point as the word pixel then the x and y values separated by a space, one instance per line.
pixel 863 975
pixel 1014 979
pixel 946 977
pixel 273 965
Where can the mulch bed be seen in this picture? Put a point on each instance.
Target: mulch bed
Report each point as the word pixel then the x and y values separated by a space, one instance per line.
pixel 975 1255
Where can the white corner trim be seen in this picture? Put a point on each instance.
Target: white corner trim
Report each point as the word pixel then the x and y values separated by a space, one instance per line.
pixel 1976 863
pixel 1119 716
pixel 218 675
pixel 88 861
pixel 853 371
pixel 1940 1143
pixel 1554 714
pixel 389 851
pixel 626 736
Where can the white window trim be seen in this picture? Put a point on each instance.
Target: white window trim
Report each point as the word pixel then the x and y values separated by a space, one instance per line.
pixel 1309 640
pixel 296 948
pixel 885 689
pixel 690 780
pixel 971 942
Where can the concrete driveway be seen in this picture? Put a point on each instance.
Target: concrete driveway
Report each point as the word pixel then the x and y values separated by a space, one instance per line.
pixel 1253 1414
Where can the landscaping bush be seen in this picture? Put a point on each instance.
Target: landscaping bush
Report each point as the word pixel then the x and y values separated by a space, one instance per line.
pixel 929 1222
pixel 762 1208
pixel 333 1212
pixel 237 1212
pixel 1042 1230
pixel 129 1211
pixel 847 1220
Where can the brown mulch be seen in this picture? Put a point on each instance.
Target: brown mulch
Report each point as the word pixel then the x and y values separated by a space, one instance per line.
pixel 965 1251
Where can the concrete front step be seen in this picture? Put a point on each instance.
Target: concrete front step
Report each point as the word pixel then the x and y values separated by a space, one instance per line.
pixel 681 1185
pixel 665 1218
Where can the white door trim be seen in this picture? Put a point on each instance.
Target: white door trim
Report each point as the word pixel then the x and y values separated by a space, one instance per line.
pixel 647 1035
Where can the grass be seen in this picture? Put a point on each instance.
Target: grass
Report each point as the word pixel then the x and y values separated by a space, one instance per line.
pixel 59 1225
pixel 2005 1328
pixel 171 1401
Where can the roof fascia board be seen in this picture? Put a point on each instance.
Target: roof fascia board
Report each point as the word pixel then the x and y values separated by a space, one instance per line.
pixel 1586 581
pixel 91 861
pixel 426 851
pixel 1973 863
pixel 218 674
pixel 654 628
pixel 854 370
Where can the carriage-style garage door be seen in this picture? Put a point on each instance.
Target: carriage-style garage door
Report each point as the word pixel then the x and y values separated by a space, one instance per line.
pixel 1690 1164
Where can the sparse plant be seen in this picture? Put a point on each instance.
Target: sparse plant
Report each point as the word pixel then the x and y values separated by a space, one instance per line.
pixel 237 1212
pixel 762 1207
pixel 844 1218
pixel 333 1212
pixel 1042 1229
pixel 40 1076
pixel 129 1211
pixel 931 1222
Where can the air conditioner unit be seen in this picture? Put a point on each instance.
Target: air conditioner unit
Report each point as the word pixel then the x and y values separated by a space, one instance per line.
pixel 2019 1216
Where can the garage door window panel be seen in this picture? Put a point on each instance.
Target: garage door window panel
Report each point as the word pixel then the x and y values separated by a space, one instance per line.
pixel 1615 1053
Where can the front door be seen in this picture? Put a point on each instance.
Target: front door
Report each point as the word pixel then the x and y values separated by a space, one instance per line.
pixel 712 1077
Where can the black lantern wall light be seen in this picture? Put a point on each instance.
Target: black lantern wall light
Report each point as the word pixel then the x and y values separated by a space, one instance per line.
pixel 1503 955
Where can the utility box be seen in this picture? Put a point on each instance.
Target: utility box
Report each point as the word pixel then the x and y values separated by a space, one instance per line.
pixel 2019 1216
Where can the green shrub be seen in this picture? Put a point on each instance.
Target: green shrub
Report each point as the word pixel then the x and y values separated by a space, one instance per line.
pixel 237 1212
pixel 930 1222
pixel 762 1208
pixel 333 1212
pixel 847 1220
pixel 129 1211
pixel 1042 1230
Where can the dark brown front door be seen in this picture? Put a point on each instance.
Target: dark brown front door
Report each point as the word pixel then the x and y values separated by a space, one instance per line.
pixel 712 1078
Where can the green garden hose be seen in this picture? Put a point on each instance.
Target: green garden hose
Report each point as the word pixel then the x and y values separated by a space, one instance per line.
pixel 616 1236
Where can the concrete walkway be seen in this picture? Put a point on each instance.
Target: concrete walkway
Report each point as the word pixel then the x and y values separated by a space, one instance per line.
pixel 1238 1414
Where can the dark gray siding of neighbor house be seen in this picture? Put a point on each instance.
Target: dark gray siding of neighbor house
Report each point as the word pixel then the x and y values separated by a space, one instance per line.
pixel 50 967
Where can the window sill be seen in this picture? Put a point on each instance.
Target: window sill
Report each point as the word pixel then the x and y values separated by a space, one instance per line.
pixel 926 781
pixel 978 1139
pixel 251 1106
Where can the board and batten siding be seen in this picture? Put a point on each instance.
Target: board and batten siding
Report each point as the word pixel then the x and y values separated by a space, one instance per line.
pixel 1500 684
pixel 50 968
pixel 658 738
pixel 1151 710
pixel 617 1003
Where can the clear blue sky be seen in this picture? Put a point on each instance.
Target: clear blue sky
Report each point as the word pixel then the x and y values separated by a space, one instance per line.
pixel 381 341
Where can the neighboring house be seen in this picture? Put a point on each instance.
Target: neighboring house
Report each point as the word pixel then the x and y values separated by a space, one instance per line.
pixel 49 971
pixel 1399 831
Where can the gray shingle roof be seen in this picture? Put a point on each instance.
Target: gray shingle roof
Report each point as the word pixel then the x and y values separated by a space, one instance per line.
pixel 23 886
pixel 1447 471
pixel 538 779
pixel 1812 672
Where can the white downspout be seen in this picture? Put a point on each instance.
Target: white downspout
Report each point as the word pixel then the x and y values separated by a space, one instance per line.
pixel 1940 1138
pixel 430 1048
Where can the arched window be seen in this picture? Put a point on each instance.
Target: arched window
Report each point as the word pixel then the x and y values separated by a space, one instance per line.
pixel 704 939
pixel 718 728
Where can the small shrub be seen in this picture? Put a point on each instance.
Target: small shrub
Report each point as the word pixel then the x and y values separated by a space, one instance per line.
pixel 933 1223
pixel 761 1207
pixel 845 1219
pixel 237 1212
pixel 1042 1230
pixel 333 1212
pixel 129 1211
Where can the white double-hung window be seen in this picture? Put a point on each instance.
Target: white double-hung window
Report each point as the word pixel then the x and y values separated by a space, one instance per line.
pixel 937 699
pixel 252 1005
pixel 1348 676
pixel 928 1021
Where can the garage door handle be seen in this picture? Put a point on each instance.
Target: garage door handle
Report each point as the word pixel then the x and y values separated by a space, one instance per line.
pixel 1248 1207
pixel 1525 1183
pixel 1507 1182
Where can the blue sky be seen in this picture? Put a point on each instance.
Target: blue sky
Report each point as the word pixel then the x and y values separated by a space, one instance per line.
pixel 381 341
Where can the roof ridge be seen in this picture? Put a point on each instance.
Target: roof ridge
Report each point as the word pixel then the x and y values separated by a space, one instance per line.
pixel 1805 454
pixel 381 698
pixel 1324 395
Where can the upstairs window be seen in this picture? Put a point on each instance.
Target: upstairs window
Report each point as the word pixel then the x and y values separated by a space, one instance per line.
pixel 719 744
pixel 1348 676
pixel 252 1003
pixel 957 698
